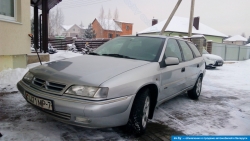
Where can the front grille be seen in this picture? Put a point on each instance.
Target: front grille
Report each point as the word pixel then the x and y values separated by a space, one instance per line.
pixel 48 85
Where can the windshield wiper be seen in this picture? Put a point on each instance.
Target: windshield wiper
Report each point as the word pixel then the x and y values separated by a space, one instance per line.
pixel 118 55
pixel 93 53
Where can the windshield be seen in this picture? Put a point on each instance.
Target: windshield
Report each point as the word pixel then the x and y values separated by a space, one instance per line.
pixel 140 48
pixel 205 52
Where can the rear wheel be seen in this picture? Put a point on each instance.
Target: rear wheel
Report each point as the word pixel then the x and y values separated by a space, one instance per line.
pixel 196 91
pixel 140 111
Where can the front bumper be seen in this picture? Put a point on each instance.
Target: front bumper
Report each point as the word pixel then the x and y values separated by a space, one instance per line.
pixel 84 113
pixel 214 63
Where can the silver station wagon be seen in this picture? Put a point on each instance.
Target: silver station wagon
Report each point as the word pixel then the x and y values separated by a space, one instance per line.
pixel 119 84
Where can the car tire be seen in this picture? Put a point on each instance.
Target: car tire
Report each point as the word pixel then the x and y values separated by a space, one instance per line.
pixel 196 91
pixel 139 113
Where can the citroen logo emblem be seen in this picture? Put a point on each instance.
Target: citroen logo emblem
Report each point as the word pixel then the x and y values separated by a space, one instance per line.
pixel 43 85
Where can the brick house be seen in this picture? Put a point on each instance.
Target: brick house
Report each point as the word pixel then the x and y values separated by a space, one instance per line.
pixel 105 28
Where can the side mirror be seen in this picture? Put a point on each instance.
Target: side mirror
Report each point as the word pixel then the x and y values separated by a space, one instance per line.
pixel 169 61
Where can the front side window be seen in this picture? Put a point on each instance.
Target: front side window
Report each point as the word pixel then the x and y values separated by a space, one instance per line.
pixel 139 48
pixel 187 53
pixel 7 9
pixel 173 50
pixel 195 50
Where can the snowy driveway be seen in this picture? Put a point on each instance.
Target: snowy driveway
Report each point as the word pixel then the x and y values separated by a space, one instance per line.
pixel 223 109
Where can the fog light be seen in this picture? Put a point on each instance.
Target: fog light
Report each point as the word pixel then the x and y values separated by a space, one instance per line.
pixel 82 120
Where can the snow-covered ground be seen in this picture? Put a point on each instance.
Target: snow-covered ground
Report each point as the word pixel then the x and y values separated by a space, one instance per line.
pixel 222 109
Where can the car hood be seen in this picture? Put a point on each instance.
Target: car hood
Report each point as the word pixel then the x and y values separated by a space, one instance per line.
pixel 85 70
pixel 212 56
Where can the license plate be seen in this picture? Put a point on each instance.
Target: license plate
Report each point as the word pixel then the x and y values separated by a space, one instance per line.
pixel 42 103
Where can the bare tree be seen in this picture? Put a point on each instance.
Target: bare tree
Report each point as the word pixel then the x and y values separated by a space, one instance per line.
pixel 243 35
pixel 56 19
pixel 59 19
pixel 109 18
pixel 116 14
pixel 101 19
pixel 51 24
pixel 82 30
pixel 116 17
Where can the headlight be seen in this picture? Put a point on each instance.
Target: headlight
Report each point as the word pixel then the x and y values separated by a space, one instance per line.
pixel 28 77
pixel 87 91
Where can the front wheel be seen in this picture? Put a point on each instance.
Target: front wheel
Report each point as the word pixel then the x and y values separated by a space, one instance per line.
pixel 196 91
pixel 139 113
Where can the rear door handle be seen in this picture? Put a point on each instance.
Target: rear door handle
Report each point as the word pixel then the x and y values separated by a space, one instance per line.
pixel 183 69
pixel 198 65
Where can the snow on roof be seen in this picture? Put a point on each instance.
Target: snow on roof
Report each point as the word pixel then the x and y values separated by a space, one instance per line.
pixel 109 24
pixel 236 38
pixel 122 21
pixel 67 27
pixel 197 36
pixel 180 24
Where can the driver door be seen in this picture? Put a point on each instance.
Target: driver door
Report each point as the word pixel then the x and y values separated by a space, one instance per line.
pixel 173 78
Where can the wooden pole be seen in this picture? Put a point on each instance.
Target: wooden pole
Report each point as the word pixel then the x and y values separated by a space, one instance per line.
pixel 191 19
pixel 170 17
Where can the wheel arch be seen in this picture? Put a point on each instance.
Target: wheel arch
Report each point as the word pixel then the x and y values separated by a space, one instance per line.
pixel 154 91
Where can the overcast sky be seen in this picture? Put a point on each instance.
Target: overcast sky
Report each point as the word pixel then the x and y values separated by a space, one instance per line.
pixel 230 17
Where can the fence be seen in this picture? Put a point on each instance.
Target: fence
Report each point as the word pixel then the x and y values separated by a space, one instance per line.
pixel 93 43
pixel 231 52
pixel 60 44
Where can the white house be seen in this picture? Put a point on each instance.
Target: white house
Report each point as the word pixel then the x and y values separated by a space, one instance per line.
pixel 72 30
pixel 236 40
pixel 179 27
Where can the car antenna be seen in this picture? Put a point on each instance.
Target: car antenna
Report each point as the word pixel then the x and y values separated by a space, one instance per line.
pixel 31 36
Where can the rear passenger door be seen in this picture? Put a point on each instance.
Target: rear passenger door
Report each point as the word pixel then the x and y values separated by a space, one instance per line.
pixel 199 61
pixel 190 63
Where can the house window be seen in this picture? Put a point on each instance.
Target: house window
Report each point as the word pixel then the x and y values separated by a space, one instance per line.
pixel 110 35
pixel 73 29
pixel 8 10
pixel 127 27
pixel 117 35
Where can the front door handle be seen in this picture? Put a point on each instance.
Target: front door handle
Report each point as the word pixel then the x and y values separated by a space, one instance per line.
pixel 198 65
pixel 183 69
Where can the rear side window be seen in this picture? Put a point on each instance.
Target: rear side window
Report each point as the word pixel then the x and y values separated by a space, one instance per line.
pixel 187 53
pixel 195 50
pixel 173 50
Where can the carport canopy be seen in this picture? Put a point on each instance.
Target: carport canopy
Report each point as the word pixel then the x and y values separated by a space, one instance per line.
pixel 45 6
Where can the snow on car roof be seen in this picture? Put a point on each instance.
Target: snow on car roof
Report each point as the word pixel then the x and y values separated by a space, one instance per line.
pixel 236 38
pixel 180 24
